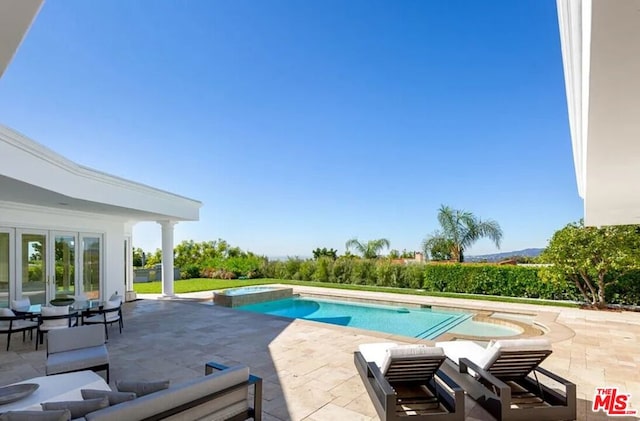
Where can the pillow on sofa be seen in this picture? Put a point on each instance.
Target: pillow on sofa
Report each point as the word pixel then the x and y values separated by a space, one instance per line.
pixel 113 397
pixel 57 415
pixel 141 388
pixel 78 408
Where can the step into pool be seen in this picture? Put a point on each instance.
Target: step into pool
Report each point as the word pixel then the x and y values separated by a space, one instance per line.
pixel 423 323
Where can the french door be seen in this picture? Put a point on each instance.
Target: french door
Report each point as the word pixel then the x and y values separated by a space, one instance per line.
pixel 33 271
pixel 54 264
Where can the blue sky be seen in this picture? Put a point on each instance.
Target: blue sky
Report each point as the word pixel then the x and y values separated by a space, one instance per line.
pixel 301 124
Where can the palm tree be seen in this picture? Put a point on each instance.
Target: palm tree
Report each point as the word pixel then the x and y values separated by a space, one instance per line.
pixel 370 249
pixel 461 229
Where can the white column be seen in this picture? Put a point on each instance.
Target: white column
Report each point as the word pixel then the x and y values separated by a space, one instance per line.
pixel 167 258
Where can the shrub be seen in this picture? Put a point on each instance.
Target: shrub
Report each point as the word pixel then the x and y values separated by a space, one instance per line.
pixel 341 270
pixel 323 269
pixel 412 276
pixel 364 272
pixel 190 271
pixel 513 281
pixel 307 270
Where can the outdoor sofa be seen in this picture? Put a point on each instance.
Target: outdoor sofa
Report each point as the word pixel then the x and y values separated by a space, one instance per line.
pixel 221 395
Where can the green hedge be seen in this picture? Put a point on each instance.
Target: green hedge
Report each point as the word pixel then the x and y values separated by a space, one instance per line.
pixel 626 290
pixel 487 279
pixel 513 281
pixel 469 278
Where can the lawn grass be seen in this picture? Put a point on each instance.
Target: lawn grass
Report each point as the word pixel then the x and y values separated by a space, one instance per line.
pixel 205 284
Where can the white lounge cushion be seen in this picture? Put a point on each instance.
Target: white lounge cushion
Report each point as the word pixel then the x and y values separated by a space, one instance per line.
pixel 384 353
pixel 485 357
pixel 54 311
pixel 412 352
pixel 495 348
pixel 376 352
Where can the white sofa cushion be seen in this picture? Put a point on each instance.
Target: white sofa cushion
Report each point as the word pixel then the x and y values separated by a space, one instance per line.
pixel 63 362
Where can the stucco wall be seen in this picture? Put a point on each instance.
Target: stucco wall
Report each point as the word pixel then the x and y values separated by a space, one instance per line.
pixel 113 232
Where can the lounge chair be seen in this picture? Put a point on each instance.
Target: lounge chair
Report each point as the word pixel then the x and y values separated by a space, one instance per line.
pixel 403 380
pixel 77 349
pixel 503 379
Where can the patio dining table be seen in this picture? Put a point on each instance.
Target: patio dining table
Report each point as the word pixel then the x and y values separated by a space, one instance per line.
pixel 77 307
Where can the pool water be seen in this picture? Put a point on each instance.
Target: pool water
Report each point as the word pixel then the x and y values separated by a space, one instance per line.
pixel 247 290
pixel 421 323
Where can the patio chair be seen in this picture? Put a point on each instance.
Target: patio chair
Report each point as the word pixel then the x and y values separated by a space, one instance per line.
pixel 53 318
pixel 11 323
pixel 21 305
pixel 77 349
pixel 404 380
pixel 109 314
pixel 503 379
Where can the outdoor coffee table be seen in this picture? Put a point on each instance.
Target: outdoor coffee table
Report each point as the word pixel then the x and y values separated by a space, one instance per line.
pixel 59 387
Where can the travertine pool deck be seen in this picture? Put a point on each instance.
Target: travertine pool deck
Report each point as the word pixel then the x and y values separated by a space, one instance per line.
pixel 308 368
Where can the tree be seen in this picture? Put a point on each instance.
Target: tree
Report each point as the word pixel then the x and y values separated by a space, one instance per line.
pixel 323 252
pixel 592 258
pixel 370 249
pixel 437 247
pixel 394 254
pixel 153 258
pixel 407 254
pixel 462 229
pixel 137 259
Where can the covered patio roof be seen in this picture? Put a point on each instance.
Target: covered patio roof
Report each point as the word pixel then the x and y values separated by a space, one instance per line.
pixel 32 174
pixel 601 56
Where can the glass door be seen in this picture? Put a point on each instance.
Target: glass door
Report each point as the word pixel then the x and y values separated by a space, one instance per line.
pixel 91 250
pixel 32 268
pixel 65 263
pixel 6 265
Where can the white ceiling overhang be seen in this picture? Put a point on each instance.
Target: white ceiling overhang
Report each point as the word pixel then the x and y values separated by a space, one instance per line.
pixel 601 55
pixel 34 175
pixel 15 19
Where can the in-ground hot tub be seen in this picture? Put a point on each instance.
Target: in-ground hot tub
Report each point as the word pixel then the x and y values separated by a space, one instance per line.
pixel 235 297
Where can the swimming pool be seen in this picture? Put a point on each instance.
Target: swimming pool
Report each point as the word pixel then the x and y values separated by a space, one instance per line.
pixel 421 323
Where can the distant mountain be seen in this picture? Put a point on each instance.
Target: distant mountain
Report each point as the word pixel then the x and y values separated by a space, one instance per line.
pixel 496 257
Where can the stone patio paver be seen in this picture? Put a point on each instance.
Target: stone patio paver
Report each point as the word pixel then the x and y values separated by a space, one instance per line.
pixel 308 368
